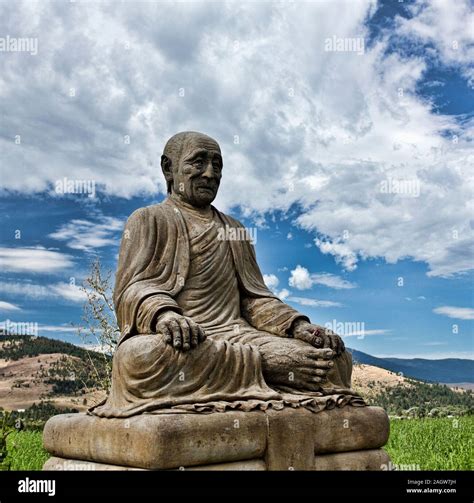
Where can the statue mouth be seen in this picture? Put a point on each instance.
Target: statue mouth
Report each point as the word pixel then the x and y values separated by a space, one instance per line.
pixel 208 189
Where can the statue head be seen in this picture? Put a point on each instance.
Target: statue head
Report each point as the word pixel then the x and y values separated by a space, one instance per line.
pixel 192 165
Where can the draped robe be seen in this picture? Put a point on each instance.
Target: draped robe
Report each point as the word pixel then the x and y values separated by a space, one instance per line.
pixel 173 257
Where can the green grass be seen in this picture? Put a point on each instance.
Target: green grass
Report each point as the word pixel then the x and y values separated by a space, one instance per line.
pixel 25 451
pixel 425 444
pixel 432 444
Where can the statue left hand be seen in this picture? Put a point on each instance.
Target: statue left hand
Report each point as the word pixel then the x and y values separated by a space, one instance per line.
pixel 318 336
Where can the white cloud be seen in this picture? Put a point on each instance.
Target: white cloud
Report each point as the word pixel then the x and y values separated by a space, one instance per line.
pixel 460 313
pixel 320 130
pixel 302 279
pixel 49 291
pixel 445 26
pixel 430 356
pixel 6 306
pixel 87 235
pixel 289 236
pixel 283 294
pixel 271 281
pixel 33 260
pixel 364 333
pixel 305 301
pixel 57 328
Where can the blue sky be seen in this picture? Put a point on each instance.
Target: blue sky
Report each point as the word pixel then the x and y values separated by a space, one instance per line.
pixel 315 139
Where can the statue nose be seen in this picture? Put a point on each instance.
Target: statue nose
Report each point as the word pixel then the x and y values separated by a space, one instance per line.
pixel 209 171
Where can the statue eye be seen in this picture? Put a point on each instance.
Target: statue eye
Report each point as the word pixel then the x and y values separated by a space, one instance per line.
pixel 198 162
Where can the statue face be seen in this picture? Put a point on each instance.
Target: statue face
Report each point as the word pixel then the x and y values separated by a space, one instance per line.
pixel 197 175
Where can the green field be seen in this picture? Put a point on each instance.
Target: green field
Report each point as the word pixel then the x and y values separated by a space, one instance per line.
pixel 432 444
pixel 25 451
pixel 425 444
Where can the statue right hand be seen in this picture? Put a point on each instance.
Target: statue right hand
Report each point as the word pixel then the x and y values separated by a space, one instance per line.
pixel 181 332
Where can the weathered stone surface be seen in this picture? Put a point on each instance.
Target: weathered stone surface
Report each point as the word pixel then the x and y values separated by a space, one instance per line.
pixel 350 429
pixel 373 459
pixel 286 439
pixel 159 441
pixel 62 464
pixel 290 439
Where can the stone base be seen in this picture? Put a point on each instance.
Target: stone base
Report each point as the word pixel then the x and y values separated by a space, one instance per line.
pixel 348 438
pixel 61 464
pixel 372 459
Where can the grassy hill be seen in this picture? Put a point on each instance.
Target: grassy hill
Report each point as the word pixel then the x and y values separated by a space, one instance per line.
pixel 404 397
pixel 36 369
pixel 448 370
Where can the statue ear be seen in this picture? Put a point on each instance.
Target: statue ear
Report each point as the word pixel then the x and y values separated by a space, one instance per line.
pixel 166 168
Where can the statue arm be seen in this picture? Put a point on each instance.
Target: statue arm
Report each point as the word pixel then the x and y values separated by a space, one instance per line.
pixel 270 315
pixel 153 307
pixel 145 276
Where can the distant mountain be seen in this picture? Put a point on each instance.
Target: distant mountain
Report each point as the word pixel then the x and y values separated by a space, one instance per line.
pixel 448 370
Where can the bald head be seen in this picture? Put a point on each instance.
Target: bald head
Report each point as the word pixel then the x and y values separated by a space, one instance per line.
pixel 192 165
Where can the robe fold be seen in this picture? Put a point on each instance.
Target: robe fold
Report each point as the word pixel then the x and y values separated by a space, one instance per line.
pixel 171 258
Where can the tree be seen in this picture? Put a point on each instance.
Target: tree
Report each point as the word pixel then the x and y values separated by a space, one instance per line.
pixel 100 327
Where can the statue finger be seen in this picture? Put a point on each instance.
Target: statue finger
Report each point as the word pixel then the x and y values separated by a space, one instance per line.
pixel 185 333
pixel 321 354
pixel 321 372
pixel 176 331
pixel 164 330
pixel 324 364
pixel 202 334
pixel 194 333
pixel 340 345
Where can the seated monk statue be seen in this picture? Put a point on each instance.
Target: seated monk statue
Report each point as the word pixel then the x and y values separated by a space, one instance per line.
pixel 200 331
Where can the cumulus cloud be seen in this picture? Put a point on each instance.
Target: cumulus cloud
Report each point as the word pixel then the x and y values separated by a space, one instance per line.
pixel 33 260
pixel 271 281
pixel 302 279
pixel 460 313
pixel 87 235
pixel 298 125
pixel 283 294
pixel 446 27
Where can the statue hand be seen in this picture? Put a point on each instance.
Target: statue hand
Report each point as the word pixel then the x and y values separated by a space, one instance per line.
pixel 181 332
pixel 318 336
pixel 297 366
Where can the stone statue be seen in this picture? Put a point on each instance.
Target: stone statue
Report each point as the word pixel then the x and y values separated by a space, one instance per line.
pixel 212 370
pixel 200 330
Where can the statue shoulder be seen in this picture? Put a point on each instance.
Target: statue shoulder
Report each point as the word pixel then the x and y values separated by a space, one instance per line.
pixel 156 211
pixel 231 221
